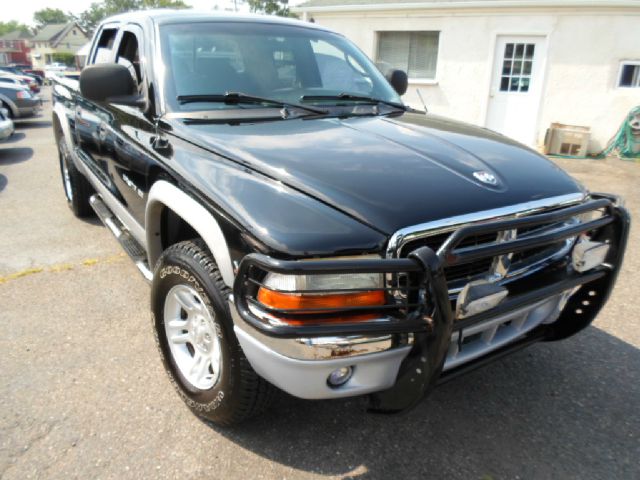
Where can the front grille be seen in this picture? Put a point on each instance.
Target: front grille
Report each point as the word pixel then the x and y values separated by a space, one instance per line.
pixel 457 273
pixel 521 262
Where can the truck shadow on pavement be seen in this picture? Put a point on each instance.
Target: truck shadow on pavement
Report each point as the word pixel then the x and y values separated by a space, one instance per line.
pixel 9 156
pixel 22 124
pixel 563 410
pixel 92 220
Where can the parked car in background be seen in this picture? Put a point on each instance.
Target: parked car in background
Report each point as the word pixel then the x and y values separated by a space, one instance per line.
pixel 6 125
pixel 20 80
pixel 16 70
pixel 28 70
pixel 18 100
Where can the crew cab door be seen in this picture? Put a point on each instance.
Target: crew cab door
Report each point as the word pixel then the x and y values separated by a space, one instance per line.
pixel 121 136
pixel 91 119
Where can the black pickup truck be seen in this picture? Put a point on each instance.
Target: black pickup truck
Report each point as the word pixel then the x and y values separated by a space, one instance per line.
pixel 303 229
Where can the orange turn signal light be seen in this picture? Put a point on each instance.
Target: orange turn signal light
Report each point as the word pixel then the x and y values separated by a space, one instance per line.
pixel 296 301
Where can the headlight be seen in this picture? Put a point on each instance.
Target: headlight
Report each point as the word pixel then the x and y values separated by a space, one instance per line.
pixel 362 281
pixel 322 291
pixel 23 95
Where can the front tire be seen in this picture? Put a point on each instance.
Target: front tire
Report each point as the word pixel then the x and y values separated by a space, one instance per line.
pixel 194 333
pixel 77 189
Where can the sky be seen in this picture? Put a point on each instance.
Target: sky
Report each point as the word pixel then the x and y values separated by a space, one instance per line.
pixel 23 10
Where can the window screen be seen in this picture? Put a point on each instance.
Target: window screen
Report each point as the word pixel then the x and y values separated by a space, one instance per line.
pixel 414 52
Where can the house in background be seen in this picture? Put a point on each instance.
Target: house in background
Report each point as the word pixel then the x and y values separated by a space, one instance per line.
pixel 14 47
pixel 56 38
pixel 514 66
pixel 81 55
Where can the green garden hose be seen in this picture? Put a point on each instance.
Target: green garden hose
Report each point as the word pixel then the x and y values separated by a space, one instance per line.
pixel 626 141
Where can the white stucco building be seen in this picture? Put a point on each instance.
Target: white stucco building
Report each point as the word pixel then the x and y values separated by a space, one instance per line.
pixel 514 66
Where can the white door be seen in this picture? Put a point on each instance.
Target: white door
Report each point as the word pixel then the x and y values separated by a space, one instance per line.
pixel 516 87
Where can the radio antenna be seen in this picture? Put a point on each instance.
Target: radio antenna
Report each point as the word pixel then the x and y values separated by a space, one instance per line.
pixel 422 100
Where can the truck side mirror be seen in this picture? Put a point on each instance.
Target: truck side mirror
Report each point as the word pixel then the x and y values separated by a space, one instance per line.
pixel 398 80
pixel 109 83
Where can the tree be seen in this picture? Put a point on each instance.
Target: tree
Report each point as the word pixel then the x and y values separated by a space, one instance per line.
pixel 270 7
pixel 64 57
pixel 98 11
pixel 50 15
pixel 12 26
pixel 163 4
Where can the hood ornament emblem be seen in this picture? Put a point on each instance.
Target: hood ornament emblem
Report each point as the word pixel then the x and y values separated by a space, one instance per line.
pixel 486 177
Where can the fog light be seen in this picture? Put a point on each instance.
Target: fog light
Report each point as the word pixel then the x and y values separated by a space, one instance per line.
pixel 587 255
pixel 479 296
pixel 339 376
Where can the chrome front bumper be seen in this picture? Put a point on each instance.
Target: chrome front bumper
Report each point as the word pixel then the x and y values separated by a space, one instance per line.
pixel 301 365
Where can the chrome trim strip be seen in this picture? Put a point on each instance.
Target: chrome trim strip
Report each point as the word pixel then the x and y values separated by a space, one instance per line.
pixel 444 225
pixel 112 224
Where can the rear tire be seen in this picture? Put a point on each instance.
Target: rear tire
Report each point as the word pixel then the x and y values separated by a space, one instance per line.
pixel 194 333
pixel 77 189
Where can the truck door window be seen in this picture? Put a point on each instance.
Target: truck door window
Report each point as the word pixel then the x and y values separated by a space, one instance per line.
pixel 129 56
pixel 104 48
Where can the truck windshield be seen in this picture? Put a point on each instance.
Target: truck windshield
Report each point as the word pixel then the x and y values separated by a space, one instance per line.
pixel 280 62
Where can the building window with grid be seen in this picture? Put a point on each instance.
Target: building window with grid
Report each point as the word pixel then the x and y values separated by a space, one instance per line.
pixel 414 52
pixel 629 76
pixel 516 67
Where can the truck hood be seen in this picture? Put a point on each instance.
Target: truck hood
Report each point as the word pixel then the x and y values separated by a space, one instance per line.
pixel 389 172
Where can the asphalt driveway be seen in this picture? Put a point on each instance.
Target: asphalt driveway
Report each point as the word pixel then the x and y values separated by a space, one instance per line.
pixel 83 393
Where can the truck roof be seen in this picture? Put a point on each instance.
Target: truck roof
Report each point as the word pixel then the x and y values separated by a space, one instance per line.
pixel 168 16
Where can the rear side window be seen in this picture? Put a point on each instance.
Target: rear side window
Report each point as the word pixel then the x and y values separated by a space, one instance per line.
pixel 104 48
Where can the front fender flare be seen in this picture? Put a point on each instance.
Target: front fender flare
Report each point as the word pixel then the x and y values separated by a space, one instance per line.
pixel 60 113
pixel 164 194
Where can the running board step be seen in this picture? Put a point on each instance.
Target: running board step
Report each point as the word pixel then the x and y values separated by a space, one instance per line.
pixel 128 243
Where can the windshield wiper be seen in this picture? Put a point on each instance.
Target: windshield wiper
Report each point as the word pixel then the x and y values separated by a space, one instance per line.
pixel 239 97
pixel 350 96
